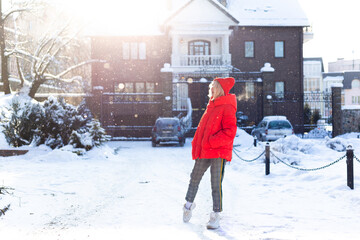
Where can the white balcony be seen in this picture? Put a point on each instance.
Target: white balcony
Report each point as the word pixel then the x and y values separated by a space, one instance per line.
pixel 201 60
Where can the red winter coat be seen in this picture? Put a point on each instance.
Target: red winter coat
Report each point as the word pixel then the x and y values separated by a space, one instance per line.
pixel 216 131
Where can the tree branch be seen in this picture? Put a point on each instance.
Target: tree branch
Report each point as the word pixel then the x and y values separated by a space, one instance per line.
pixel 14 11
pixel 56 52
pixel 78 65
pixel 20 72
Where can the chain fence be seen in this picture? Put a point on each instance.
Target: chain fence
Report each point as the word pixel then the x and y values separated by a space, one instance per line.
pixel 237 150
pixel 357 159
pixel 248 160
pixel 308 169
pixel 349 162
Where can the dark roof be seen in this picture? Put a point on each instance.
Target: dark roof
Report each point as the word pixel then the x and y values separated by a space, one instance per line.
pixel 333 74
pixel 212 2
pixel 349 76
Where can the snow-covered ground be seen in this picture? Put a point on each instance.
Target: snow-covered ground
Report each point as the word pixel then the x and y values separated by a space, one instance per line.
pixel 129 190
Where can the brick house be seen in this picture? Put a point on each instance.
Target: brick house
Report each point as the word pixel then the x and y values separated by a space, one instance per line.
pixel 259 43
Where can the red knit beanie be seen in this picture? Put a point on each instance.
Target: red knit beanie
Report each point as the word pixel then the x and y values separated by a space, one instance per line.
pixel 226 83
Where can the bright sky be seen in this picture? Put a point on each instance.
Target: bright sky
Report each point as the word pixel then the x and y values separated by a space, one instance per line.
pixel 335 27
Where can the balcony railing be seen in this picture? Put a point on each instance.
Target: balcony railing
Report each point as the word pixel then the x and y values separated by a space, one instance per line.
pixel 205 60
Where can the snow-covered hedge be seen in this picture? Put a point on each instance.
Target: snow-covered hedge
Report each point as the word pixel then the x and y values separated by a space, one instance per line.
pixel 54 123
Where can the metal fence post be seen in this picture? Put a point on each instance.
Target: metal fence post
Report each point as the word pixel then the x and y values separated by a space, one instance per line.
pixel 350 166
pixel 267 159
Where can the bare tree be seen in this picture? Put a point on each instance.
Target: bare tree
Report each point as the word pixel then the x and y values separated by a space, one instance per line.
pixel 54 58
pixel 47 63
pixel 3 58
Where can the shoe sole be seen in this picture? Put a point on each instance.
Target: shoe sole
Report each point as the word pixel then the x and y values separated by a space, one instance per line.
pixel 212 228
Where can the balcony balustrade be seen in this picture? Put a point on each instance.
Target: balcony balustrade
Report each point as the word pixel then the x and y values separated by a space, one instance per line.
pixel 204 60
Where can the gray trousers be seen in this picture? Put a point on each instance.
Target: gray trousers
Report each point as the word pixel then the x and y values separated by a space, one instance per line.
pixel 217 167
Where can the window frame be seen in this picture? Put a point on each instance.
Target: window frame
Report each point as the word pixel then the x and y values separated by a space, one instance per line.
pixel 126 50
pixel 355 83
pixel 283 48
pixel 204 47
pixel 280 95
pixel 249 90
pixel 253 49
pixel 134 50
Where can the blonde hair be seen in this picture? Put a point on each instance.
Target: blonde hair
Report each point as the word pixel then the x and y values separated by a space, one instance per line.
pixel 218 90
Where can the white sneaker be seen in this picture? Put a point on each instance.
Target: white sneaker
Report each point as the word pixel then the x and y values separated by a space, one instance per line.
pixel 188 212
pixel 214 221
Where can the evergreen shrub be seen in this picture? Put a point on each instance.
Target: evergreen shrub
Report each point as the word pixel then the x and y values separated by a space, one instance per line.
pixel 54 123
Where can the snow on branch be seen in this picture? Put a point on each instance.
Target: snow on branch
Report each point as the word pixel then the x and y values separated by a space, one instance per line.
pixel 79 65
pixel 59 76
pixel 6 15
pixel 18 51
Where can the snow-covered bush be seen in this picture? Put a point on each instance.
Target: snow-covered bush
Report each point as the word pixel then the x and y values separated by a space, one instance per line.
pixel 94 136
pixel 54 123
pixel 21 121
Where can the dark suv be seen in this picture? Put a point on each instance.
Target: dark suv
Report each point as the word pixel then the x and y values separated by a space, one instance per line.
pixel 167 130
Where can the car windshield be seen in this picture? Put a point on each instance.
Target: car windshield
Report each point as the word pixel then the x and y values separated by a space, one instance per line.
pixel 279 124
pixel 167 123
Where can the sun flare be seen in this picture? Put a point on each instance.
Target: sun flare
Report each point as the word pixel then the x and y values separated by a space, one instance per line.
pixel 119 17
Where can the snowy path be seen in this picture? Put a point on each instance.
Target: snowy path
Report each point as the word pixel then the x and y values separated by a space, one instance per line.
pixel 129 190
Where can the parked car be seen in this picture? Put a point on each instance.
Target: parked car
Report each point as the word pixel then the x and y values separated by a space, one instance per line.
pixel 167 130
pixel 272 128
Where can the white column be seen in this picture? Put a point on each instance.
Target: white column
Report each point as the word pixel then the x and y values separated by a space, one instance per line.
pixel 225 50
pixel 225 44
pixel 175 51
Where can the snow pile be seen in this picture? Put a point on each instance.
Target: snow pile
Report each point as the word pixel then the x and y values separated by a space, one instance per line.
pixel 291 145
pixel 243 139
pixel 3 143
pixel 337 144
pixel 319 133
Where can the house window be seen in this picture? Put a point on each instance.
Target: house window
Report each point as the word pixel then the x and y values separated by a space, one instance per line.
pixel 180 95
pixel 279 89
pixel 199 47
pixel 279 49
pixel 134 50
pixel 150 88
pixel 249 49
pixel 142 51
pixel 249 90
pixel 355 99
pixel 355 83
pixel 126 50
pixel 140 87
pixel 132 88
pixel 306 84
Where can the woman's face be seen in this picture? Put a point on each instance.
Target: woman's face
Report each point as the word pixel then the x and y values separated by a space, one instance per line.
pixel 212 89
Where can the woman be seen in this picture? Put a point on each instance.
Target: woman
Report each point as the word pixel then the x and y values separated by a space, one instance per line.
pixel 212 146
